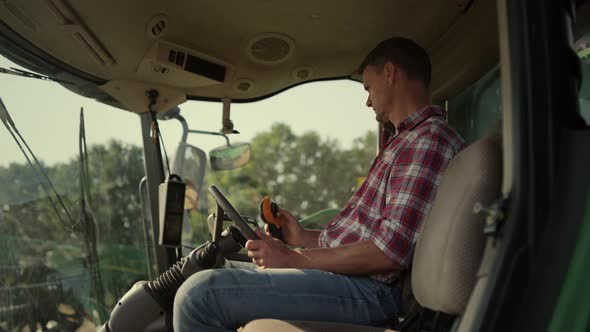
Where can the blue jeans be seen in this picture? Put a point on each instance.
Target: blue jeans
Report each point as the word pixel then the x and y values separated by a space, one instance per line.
pixel 225 299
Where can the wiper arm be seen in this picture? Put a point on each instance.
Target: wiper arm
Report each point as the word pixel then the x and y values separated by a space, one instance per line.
pixel 37 168
pixel 88 222
pixel 28 74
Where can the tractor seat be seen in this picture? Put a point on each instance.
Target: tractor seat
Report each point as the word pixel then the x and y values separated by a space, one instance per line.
pixel 451 243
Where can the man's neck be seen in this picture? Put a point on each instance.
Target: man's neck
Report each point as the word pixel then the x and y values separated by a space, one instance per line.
pixel 404 109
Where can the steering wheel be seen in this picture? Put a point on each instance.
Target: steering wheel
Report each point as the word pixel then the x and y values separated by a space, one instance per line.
pixel 223 205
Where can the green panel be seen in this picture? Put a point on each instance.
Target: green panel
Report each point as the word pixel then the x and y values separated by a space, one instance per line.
pixel 573 307
pixel 476 109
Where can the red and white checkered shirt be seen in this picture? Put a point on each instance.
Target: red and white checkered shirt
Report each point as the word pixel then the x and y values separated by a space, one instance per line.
pixel 391 203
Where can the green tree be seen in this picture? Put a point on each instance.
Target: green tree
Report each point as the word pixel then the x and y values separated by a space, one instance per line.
pixel 115 171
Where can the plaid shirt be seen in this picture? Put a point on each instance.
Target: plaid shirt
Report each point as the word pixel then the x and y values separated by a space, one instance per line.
pixel 391 203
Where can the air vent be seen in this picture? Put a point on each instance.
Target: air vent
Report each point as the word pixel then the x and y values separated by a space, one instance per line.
pixel 270 48
pixel 157 26
pixel 244 85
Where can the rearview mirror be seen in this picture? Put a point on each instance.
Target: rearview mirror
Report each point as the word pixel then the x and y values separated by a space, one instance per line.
pixel 229 156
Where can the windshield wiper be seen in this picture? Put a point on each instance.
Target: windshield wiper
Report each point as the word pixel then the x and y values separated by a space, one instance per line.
pixel 88 222
pixel 37 168
pixel 28 74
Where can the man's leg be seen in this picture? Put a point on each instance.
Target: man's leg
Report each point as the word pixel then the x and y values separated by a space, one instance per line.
pixel 225 299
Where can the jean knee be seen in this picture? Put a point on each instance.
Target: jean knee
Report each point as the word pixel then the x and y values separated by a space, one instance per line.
pixel 202 285
pixel 195 288
pixel 190 303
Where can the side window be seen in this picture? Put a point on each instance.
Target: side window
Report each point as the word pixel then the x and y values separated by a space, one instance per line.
pixel 478 107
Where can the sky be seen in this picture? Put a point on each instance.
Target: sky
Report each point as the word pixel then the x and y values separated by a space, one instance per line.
pixel 47 115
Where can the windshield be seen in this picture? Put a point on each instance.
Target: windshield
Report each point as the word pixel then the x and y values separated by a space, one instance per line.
pixel 66 268
pixel 310 147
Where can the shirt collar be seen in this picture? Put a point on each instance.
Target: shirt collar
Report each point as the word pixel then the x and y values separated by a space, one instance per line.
pixel 417 117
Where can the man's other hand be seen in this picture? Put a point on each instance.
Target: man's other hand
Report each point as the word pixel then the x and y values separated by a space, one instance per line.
pixel 269 252
pixel 290 228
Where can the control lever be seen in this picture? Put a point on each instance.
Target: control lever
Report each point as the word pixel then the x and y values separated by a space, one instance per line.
pixel 269 213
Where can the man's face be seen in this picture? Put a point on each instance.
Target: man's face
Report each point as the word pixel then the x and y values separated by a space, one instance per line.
pixel 376 83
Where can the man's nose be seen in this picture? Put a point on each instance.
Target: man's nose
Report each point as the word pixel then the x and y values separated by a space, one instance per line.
pixel 369 102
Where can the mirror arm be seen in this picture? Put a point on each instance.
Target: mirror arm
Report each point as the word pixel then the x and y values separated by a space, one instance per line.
pixel 226 122
pixel 184 124
pixel 193 131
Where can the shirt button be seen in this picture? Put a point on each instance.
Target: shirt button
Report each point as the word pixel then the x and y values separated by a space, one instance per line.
pixel 352 206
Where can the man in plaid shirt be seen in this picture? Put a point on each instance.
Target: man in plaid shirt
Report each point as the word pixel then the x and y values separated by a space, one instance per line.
pixel 348 271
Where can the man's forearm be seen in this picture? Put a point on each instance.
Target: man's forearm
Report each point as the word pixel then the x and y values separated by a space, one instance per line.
pixel 360 258
pixel 309 238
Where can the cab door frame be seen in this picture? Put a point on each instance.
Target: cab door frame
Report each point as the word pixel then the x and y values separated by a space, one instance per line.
pixel 523 270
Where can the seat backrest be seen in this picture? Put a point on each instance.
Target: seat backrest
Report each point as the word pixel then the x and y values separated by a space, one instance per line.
pixel 450 247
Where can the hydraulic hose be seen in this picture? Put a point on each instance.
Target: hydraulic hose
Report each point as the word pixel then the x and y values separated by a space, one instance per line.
pixel 164 288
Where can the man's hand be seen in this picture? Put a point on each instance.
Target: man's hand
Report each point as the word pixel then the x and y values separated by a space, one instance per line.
pixel 269 252
pixel 290 228
pixel 293 233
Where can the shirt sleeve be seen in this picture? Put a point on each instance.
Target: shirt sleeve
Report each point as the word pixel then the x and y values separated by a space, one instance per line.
pixel 411 188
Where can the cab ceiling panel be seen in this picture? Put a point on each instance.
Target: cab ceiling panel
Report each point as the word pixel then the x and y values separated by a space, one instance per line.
pixel 214 49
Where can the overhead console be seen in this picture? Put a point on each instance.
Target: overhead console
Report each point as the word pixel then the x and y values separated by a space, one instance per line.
pixel 171 70
pixel 177 66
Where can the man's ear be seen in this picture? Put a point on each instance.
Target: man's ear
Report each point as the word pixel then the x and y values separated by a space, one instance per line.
pixel 390 71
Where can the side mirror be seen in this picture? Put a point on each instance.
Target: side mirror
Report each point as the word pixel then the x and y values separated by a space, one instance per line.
pixel 229 156
pixel 190 163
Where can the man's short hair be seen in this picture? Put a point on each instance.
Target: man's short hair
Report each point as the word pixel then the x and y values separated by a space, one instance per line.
pixel 405 53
